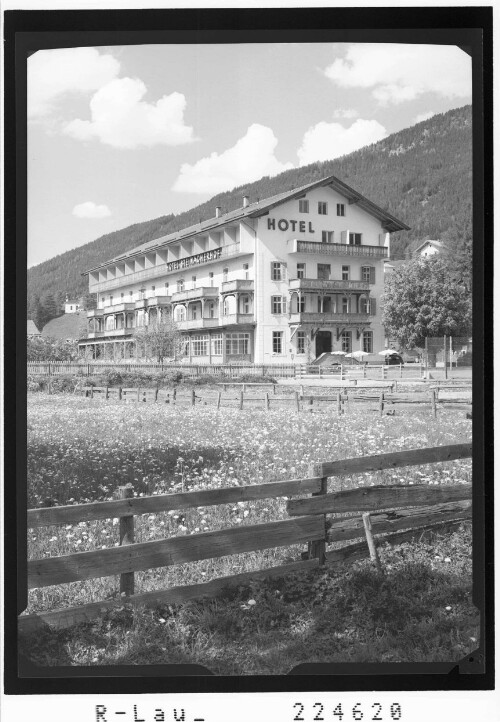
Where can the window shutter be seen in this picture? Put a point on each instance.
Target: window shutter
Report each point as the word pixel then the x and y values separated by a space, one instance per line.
pixel 373 307
pixel 372 274
pixel 343 237
pixel 284 272
pixel 283 304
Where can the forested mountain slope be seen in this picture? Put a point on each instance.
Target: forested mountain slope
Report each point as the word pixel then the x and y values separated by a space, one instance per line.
pixel 422 175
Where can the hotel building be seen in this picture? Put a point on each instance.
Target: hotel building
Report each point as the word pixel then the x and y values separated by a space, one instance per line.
pixel 276 281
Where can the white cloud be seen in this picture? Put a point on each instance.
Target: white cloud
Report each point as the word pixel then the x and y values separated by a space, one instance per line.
pixel 89 209
pixel 54 73
pixel 249 159
pixel 423 116
pixel 344 113
pixel 397 73
pixel 122 119
pixel 325 141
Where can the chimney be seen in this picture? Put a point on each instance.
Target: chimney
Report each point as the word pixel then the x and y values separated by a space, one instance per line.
pixel 246 202
pixel 217 212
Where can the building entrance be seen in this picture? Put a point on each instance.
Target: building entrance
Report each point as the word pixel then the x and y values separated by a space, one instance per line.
pixel 323 342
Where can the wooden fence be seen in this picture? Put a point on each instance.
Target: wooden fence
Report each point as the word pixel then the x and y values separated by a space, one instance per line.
pixel 341 371
pixel 339 401
pixel 439 507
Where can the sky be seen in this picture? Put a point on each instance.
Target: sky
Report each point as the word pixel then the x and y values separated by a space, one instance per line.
pixel 123 134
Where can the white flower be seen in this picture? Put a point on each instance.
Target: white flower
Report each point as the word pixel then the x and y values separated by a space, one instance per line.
pixel 447 559
pixel 251 602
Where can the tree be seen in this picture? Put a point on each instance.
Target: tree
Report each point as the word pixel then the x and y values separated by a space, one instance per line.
pixel 422 299
pixel 37 313
pixel 49 349
pixel 160 339
pixel 50 306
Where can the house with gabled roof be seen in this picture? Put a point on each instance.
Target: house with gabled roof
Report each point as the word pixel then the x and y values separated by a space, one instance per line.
pixel 278 280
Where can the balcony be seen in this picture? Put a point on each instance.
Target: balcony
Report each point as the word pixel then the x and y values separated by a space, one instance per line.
pixel 95 334
pixel 156 301
pixel 118 308
pixel 233 319
pixel 95 313
pixel 327 319
pixel 197 323
pixel 117 332
pixel 336 249
pixel 237 285
pixel 196 294
pixel 319 284
pixel 164 269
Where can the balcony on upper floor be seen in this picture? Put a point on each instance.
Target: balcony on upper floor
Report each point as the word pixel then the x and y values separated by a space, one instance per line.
pixel 235 319
pixel 117 332
pixel 295 245
pixel 156 301
pixel 118 308
pixel 327 319
pixel 197 323
pixel 95 313
pixel 95 334
pixel 315 285
pixel 196 294
pixel 239 284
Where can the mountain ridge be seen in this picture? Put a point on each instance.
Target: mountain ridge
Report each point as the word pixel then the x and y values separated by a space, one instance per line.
pixel 421 175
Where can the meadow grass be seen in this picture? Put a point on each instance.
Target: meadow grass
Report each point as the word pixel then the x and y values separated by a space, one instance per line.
pixel 80 450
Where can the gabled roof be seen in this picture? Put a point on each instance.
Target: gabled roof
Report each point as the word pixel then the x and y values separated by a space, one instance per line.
pixel 437 244
pixel 260 208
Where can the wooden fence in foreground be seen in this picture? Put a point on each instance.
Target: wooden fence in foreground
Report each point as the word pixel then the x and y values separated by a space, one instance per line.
pixel 301 401
pixel 416 509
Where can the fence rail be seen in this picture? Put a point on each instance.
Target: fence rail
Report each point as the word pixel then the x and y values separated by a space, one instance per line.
pixel 447 506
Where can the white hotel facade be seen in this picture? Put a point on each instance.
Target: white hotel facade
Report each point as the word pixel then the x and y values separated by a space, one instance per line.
pixel 281 280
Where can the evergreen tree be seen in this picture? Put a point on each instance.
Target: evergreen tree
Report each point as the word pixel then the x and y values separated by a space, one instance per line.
pixel 38 314
pixel 50 306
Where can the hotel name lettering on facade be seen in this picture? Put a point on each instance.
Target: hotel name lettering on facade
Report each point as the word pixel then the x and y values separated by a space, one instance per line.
pixel 284 225
pixel 212 255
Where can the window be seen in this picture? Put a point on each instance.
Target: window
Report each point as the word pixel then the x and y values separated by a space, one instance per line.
pixel 153 288
pixel 301 304
pixel 122 295
pixel 301 270
pixel 185 347
pixel 181 313
pixel 216 340
pixel 346 341
pixel 324 270
pixel 326 236
pixel 355 239
pixel 341 209
pixel 301 341
pixel 364 305
pixel 211 277
pixel 111 300
pixel 180 285
pixel 131 294
pixel 278 304
pixel 193 281
pixel 322 208
pixel 245 268
pixel 211 309
pixel 303 206
pixel 199 345
pixel 245 304
pixel 237 344
pixel 194 311
pixel 276 271
pixel 368 341
pixel 345 273
pixel 368 274
pixel 345 305
pixel 225 307
pixel 225 272
pixel 277 341
pixel 166 288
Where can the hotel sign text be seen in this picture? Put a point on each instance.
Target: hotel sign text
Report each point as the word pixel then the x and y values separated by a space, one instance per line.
pixel 284 225
pixel 212 255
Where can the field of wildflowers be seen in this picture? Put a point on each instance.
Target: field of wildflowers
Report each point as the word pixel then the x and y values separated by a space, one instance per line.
pixel 80 450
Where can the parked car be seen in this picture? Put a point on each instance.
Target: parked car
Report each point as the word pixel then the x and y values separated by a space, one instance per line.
pixel 394 359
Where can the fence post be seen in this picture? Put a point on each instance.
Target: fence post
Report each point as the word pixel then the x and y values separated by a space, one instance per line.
pixel 120 393
pixel 371 543
pixel 317 549
pixel 339 404
pixel 156 394
pixel 341 372
pixel 88 369
pixel 107 393
pixel 241 399
pixel 193 397
pixel 267 401
pixel 433 402
pixel 400 371
pixel 297 401
pixel 174 395
pixel 218 400
pixel 382 403
pixel 127 536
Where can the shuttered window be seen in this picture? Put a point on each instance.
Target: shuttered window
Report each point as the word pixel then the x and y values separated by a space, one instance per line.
pixel 368 274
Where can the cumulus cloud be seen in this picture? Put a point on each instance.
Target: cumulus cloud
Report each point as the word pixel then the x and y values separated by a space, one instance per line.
pixel 54 73
pixel 423 116
pixel 325 141
pixel 344 114
pixel 121 118
pixel 249 159
pixel 89 209
pixel 398 73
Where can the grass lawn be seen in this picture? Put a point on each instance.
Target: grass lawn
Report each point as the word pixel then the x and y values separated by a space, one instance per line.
pixel 80 450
